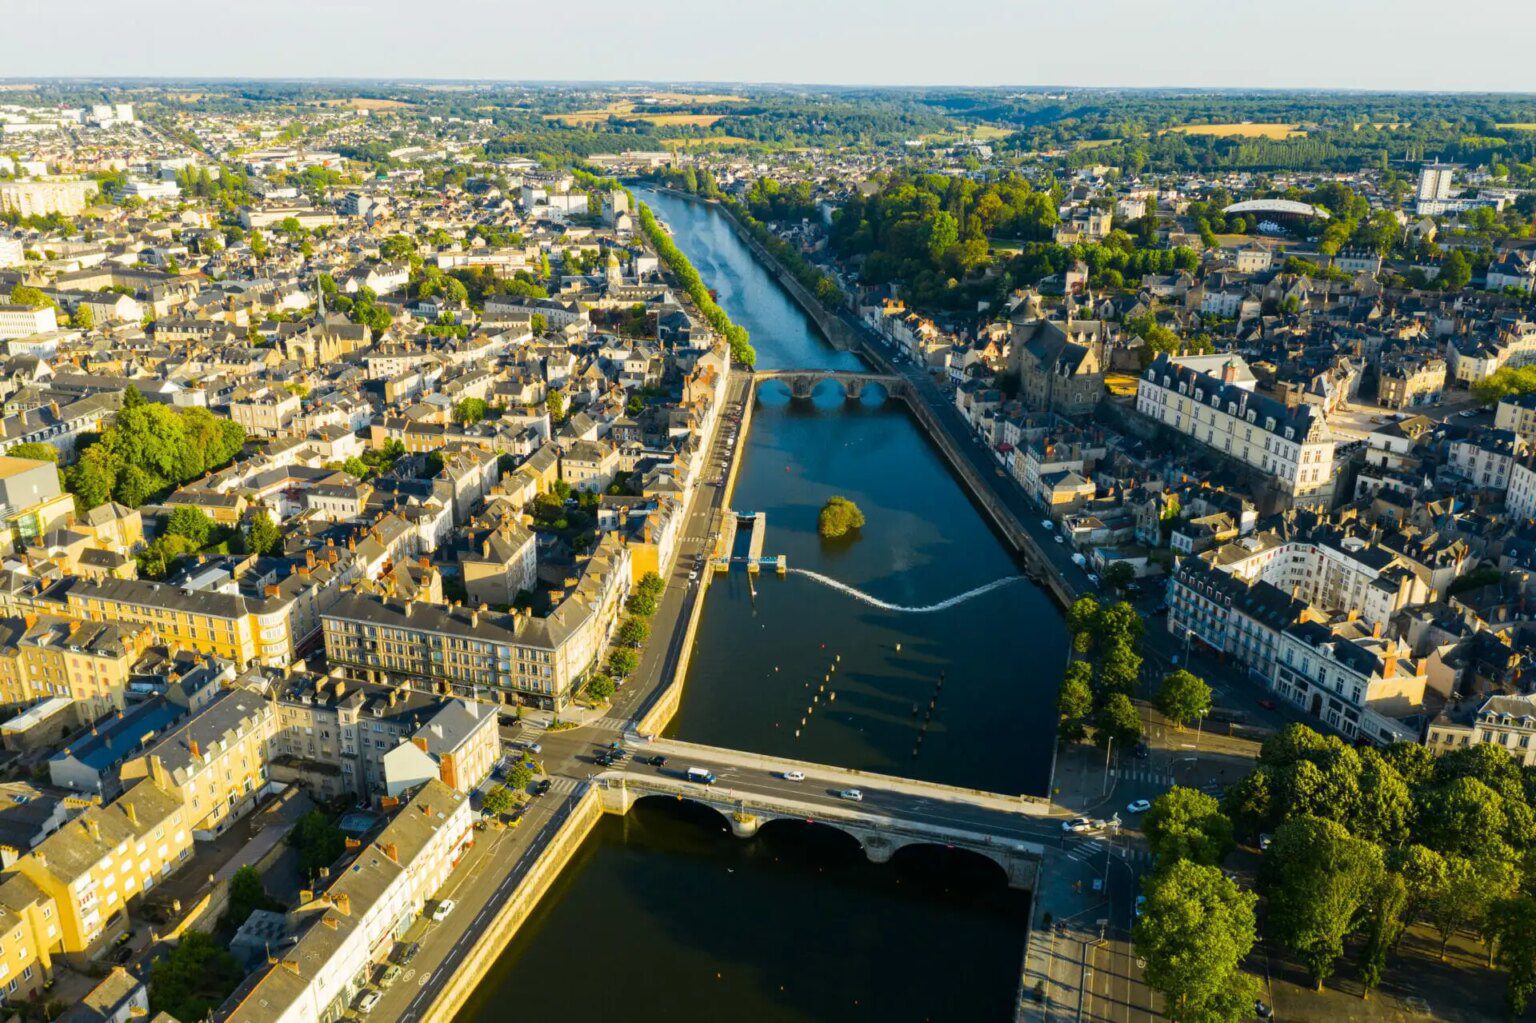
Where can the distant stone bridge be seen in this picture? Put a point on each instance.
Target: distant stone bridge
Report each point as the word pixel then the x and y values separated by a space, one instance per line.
pixel 802 382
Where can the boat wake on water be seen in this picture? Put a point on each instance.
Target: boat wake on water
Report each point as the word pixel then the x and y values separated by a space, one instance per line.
pixel 942 605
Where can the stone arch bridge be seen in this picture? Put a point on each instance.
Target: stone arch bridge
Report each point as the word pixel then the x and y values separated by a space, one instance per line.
pixel 802 382
pixel 887 820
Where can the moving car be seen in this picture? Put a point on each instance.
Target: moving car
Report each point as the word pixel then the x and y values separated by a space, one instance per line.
pixel 1047 524
pixel 657 761
pixel 1078 824
pixel 854 795
pixel 1139 806
pixel 1059 538
pixel 442 909
pixel 701 776
pixel 793 776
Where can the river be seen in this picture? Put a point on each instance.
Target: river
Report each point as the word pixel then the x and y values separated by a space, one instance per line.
pixel 664 915
pixel 966 699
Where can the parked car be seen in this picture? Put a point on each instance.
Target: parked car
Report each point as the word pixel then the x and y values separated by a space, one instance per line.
pixel 407 953
pixel 1047 524
pixel 541 786
pixel 366 1003
pixel 1059 538
pixel 1265 840
pixel 442 909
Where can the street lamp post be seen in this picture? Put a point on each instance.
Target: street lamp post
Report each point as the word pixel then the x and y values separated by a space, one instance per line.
pixel 1109 747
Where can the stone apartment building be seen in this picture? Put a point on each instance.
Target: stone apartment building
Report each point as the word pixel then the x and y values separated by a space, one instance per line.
pixel 1060 365
pixel 1202 399
pixel 215 760
pixel 1410 381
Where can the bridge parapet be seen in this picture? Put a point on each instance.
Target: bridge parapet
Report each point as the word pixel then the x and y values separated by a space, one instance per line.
pixel 802 382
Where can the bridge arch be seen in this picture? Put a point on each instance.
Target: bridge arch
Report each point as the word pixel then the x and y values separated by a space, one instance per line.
pixel 818 828
pixel 674 798
pixel 992 865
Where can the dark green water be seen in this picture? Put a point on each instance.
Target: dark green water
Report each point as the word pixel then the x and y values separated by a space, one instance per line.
pixel 664 916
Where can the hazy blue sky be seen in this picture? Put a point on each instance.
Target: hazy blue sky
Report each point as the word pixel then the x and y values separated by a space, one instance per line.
pixel 1373 44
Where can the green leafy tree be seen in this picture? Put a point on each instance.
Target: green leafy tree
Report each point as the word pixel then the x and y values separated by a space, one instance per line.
pixel 1074 701
pixel 470 410
pixel 600 686
pixel 1119 667
pixel 1195 931
pixel 82 318
pixel 554 403
pixel 1081 619
pixel 32 298
pixel 641 604
pixel 1455 271
pixel 651 585
pixel 1317 879
pixel 498 800
pixel 318 840
pixel 1512 926
pixel 1187 824
pixel 1117 722
pixel 1119 575
pixel 519 775
pixel 623 662
pixel 33 449
pixel 246 895
pixel 261 535
pixel 838 517
pixel 1383 926
pixel 1250 803
pixel 1183 697
pixel 194 978
pixel 1471 887
pixel 538 323
pixel 633 632
pixel 190 523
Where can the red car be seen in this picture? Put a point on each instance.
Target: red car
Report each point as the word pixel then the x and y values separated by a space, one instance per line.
pixel 1268 704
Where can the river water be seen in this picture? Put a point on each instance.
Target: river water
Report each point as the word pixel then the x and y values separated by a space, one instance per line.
pixel 664 915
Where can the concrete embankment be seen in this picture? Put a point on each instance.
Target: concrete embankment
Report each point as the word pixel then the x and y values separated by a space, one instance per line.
pixel 557 851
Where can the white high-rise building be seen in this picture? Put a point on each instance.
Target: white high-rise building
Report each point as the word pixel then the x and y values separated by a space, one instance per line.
pixel 1435 181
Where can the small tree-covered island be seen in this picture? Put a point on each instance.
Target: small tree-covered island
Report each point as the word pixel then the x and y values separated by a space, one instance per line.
pixel 839 517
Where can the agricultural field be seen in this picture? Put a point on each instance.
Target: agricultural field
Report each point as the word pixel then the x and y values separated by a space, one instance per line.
pixel 625 109
pixel 1244 130
pixel 1519 126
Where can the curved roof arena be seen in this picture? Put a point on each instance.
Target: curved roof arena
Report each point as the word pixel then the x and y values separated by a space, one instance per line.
pixel 1286 207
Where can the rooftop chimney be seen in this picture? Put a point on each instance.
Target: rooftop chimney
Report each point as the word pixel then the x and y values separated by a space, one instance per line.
pixel 392 851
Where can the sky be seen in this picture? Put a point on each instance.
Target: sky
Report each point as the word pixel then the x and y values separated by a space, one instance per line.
pixel 1400 45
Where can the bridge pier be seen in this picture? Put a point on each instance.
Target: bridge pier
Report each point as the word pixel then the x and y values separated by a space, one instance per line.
pixel 878 848
pixel 745 825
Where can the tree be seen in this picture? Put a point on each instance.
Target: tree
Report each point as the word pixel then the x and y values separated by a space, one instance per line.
pixel 623 662
pixel 194 978
pixel 259 247
pixel 1250 803
pixel 318 841
pixel 32 298
pixel 1470 888
pixel 1455 271
pixel 1081 617
pixel 1183 697
pixel 82 318
pixel 1317 879
pixel 1117 721
pixel 1074 701
pixel 1118 623
pixel 38 451
pixel 1187 824
pixel 1195 931
pixel 839 517
pixel 498 800
pixel 1512 925
pixel 650 584
pixel 538 323
pixel 554 403
pixel 600 686
pixel 191 523
pixel 246 895
pixel 470 411
pixel 519 775
pixel 1119 575
pixel 1119 668
pixel 261 536
pixel 640 604
pixel 633 632
pixel 1384 924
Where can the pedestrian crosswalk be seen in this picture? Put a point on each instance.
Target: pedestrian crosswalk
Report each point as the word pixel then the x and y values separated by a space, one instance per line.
pixel 1143 775
pixel 561 785
pixel 1093 851
pixel 612 723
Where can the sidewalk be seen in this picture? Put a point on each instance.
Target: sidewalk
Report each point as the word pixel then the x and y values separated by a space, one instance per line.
pixel 1080 785
pixel 1065 922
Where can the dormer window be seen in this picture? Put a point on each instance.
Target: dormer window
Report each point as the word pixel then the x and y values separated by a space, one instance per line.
pixel 1252 416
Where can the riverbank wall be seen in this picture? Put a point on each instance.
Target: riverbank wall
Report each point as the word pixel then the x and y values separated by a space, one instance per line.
pixel 498 933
